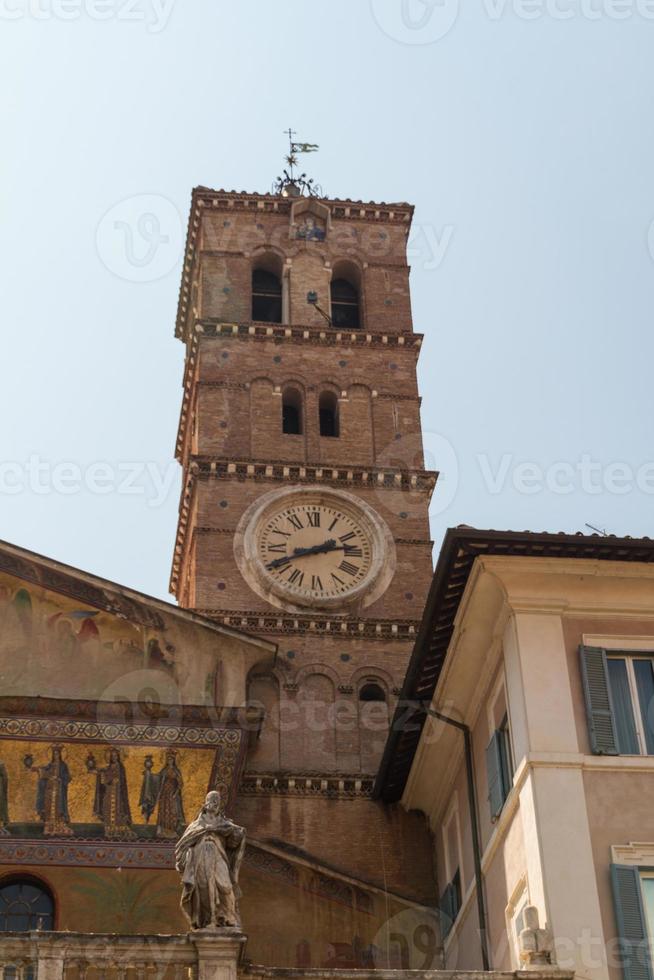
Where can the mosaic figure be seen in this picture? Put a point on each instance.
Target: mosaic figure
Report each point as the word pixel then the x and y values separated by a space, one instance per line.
pixel 111 804
pixel 52 793
pixel 163 791
pixel 208 857
pixel 310 231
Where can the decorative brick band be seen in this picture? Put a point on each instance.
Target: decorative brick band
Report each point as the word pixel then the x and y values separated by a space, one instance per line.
pixel 51 729
pixel 333 787
pixel 288 623
pixel 306 334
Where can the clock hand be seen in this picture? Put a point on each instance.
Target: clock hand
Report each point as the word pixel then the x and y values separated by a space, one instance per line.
pixel 317 549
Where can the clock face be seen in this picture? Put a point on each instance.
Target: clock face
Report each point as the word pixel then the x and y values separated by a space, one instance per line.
pixel 314 547
pixel 315 550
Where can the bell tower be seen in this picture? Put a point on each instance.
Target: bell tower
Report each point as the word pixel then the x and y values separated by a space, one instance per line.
pixel 303 514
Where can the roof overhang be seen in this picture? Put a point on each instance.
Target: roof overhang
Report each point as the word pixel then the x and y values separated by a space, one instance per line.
pixel 461 548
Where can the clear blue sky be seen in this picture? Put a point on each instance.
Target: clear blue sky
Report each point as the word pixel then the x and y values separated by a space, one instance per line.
pixel 524 142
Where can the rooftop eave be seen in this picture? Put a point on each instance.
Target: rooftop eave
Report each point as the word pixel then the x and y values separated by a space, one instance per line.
pixel 461 548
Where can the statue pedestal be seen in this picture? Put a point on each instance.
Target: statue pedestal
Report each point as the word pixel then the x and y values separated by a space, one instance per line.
pixel 219 951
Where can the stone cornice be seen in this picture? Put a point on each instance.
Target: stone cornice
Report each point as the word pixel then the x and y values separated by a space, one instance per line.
pixel 205 201
pixel 275 471
pixel 333 786
pixel 299 333
pixel 275 622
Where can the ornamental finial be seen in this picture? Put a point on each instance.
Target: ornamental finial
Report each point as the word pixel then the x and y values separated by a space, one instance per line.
pixel 291 184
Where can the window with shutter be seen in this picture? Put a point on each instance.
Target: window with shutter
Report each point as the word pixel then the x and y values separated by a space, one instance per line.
pixel 599 707
pixel 619 693
pixel 632 926
pixel 498 767
pixel 450 904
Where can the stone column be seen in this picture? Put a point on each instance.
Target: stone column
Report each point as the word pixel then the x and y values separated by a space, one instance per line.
pixel 50 962
pixel 218 951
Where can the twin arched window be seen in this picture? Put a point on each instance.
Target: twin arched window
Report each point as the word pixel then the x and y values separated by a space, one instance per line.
pixel 266 296
pixel 267 303
pixel 328 414
pixel 345 304
pixel 372 692
pixel 25 905
pixel 293 413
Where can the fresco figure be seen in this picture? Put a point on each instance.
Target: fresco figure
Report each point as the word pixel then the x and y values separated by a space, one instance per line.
pixel 4 801
pixel 163 790
pixel 111 804
pixel 208 857
pixel 52 793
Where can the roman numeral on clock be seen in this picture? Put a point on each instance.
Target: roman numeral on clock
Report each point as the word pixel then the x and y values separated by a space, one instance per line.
pixel 296 577
pixel 333 524
pixel 347 537
pixel 347 566
pixel 314 518
pixel 295 521
pixel 279 548
pixel 316 584
pixel 351 549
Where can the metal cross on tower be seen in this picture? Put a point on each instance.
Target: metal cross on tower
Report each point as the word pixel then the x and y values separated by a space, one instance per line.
pixel 290 185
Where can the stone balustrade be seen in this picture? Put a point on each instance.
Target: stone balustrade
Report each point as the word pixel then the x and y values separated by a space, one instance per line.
pixel 78 956
pixel 201 955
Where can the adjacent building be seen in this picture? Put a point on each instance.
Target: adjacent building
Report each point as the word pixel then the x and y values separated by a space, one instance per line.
pixel 540 647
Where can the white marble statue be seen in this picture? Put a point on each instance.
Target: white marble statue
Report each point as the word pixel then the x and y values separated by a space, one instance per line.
pixel 208 855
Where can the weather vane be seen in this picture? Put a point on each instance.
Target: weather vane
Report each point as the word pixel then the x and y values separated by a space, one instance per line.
pixel 291 184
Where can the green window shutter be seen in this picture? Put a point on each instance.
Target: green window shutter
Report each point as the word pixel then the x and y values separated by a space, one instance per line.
pixel 447 910
pixel 632 929
pixel 495 767
pixel 599 706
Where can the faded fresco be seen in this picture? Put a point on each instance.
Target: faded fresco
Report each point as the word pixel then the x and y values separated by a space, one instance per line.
pixel 93 642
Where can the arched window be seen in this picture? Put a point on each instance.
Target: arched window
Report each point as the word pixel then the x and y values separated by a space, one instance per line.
pixel 345 304
pixel 292 412
pixel 372 692
pixel 266 296
pixel 328 413
pixel 25 905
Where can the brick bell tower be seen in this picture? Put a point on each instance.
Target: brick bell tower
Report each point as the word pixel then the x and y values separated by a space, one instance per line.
pixel 303 514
